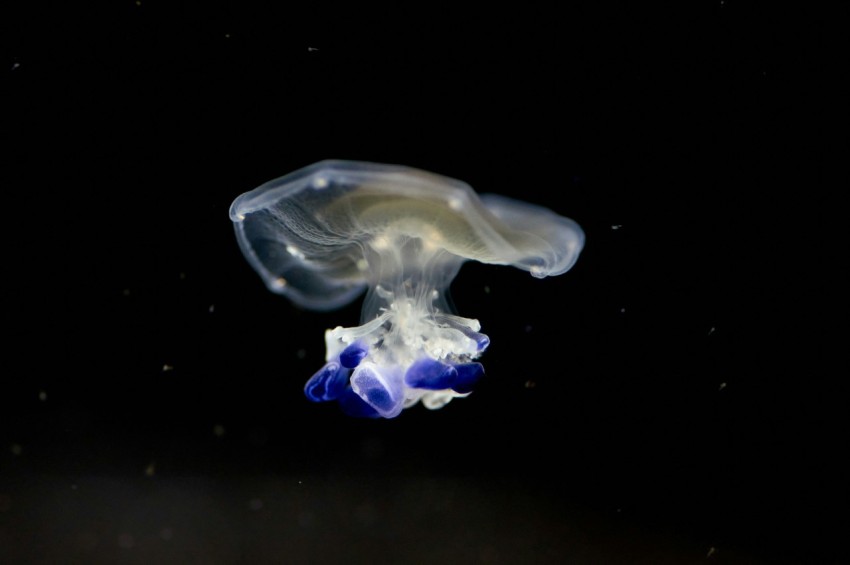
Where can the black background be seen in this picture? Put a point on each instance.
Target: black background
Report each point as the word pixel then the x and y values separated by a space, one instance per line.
pixel 669 400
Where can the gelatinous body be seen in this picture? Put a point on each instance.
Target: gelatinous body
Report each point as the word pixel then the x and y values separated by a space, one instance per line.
pixel 325 233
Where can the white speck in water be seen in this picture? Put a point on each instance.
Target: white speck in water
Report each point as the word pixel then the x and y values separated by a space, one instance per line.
pixel 211 309
pixel 622 310
pixel 301 353
pixel 166 367
pixel 218 430
pixel 722 386
pixel 255 504
pixel 166 533
pixel 711 551
pixel 42 395
pixel 616 226
pixel 486 289
pixel 150 469
pixel 15 66
pixel 711 331
pixel 182 276
pixel 126 292
pixel 16 449
pixel 312 49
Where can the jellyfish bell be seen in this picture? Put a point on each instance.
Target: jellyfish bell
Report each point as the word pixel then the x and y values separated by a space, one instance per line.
pixel 326 233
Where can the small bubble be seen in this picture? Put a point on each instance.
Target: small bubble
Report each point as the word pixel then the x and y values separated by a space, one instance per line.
pixel 486 289
pixel 42 395
pixel 622 310
pixel 182 276
pixel 530 384
pixel 255 504
pixel 126 292
pixel 218 430
pixel 166 367
pixel 616 226
pixel 301 353
pixel 211 309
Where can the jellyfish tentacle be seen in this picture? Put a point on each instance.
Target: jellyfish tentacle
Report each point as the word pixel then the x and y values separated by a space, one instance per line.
pixel 430 374
pixel 328 383
pixel 468 375
pixel 467 327
pixel 352 405
pixel 352 355
pixel 379 389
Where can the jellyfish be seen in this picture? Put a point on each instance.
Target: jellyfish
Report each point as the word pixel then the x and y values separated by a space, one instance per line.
pixel 326 233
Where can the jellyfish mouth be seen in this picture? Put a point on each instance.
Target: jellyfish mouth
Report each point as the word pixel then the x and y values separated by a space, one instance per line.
pixel 405 355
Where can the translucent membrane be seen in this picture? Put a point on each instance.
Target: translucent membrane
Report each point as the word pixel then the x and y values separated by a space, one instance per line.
pixel 324 234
